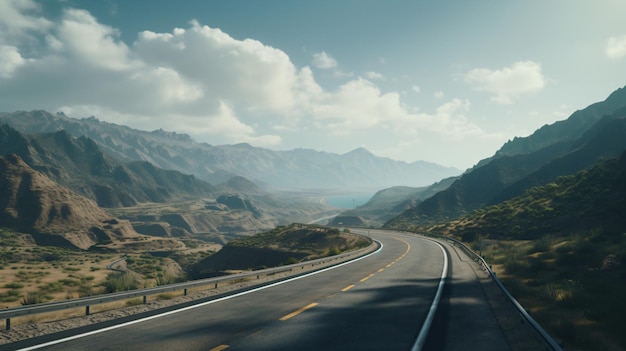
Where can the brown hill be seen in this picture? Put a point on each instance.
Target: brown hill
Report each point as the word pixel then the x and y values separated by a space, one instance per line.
pixel 279 246
pixel 54 215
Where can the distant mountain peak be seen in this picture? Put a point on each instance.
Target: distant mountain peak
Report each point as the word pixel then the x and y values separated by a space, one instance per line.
pixel 173 135
pixel 359 151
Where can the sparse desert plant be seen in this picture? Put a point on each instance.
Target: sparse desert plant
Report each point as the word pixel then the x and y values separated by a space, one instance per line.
pixel 52 287
pixel 33 298
pixel 28 276
pixel 10 296
pixel 70 282
pixel 334 251
pixel 119 282
pixel 164 279
pixel 85 290
pixel 291 260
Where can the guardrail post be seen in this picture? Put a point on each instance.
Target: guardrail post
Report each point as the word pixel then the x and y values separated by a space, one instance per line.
pixel 8 323
pixel 87 310
pixel 145 299
pixel 185 292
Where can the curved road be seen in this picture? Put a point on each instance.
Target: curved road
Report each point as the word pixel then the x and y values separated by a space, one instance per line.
pixel 377 303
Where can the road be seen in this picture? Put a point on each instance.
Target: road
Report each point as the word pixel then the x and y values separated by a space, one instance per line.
pixel 377 303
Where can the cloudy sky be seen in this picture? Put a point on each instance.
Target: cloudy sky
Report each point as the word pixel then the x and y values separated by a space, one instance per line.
pixel 443 81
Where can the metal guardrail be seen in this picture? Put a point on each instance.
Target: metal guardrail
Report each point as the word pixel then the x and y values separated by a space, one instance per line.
pixel 546 338
pixel 86 302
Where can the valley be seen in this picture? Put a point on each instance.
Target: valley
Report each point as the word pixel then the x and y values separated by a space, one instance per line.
pixel 84 215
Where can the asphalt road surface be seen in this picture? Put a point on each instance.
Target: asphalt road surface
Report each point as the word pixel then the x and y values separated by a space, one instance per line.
pixel 377 303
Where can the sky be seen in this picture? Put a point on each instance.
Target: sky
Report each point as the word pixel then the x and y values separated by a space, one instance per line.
pixel 440 81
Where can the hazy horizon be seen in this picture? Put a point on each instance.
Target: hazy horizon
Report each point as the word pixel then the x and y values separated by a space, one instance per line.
pixel 446 82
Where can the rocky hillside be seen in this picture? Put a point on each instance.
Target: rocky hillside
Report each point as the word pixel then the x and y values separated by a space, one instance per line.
pixel 32 203
pixel 593 199
pixel 387 204
pixel 80 164
pixel 567 130
pixel 505 176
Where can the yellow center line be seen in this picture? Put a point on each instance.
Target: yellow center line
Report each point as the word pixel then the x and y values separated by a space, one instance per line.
pixel 348 287
pixel 220 348
pixel 295 313
pixel 366 278
pixel 380 270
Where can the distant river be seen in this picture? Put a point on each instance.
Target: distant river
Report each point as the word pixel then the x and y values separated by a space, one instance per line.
pixel 348 200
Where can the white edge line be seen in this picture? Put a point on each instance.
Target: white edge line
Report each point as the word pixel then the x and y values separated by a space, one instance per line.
pixel 78 336
pixel 421 338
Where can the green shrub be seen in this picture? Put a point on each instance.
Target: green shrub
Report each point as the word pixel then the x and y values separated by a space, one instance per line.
pixel 119 282
pixel 334 251
pixel 52 287
pixel 33 298
pixel 291 260
pixel 70 282
pixel 85 290
pixel 164 279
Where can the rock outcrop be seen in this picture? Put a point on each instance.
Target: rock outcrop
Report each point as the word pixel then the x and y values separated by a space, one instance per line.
pixel 32 203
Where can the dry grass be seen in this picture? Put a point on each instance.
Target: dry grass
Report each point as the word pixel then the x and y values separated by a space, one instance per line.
pixel 60 279
pixel 554 280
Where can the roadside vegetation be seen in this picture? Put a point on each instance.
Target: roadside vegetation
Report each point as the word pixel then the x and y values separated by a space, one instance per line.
pixel 31 274
pixel 573 285
pixel 281 246
pixel 561 251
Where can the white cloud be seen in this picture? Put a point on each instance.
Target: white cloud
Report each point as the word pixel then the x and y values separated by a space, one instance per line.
pixel 616 47
pixel 241 72
pixel 10 60
pixel 18 18
pixel 373 75
pixel 199 80
pixel 92 43
pixel 416 89
pixel 438 95
pixel 323 60
pixel 360 106
pixel 508 83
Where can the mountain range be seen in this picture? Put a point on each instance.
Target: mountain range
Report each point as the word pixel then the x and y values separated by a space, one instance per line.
pixel 306 169
pixel 118 167
pixel 590 200
pixel 586 138
pixel 157 202
pixel 78 163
